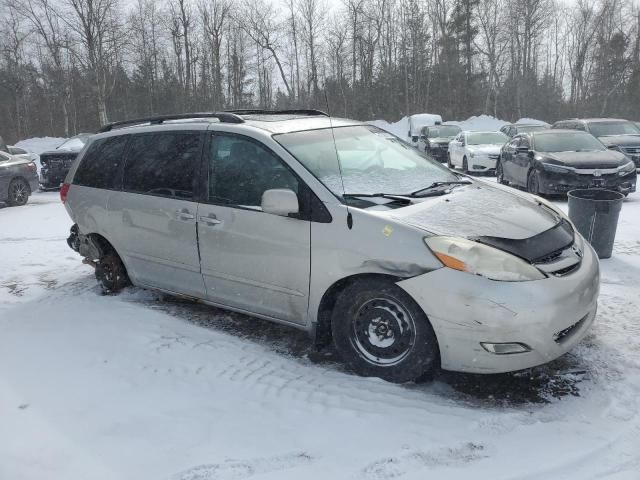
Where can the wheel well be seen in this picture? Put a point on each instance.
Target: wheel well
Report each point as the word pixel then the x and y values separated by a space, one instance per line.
pixel 95 246
pixel 323 335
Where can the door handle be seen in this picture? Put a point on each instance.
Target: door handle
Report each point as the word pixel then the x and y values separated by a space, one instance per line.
pixel 184 215
pixel 210 219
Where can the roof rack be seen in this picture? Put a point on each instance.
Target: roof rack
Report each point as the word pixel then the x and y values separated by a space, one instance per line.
pixel 224 117
pixel 257 111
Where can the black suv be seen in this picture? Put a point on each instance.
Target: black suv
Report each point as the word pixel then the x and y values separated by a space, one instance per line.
pixel 56 163
pixel 556 161
pixel 616 134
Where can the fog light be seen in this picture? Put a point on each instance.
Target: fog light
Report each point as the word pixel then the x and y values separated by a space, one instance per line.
pixel 505 348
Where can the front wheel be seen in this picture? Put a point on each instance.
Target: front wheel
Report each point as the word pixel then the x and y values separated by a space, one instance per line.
pixel 18 192
pixel 533 184
pixel 465 165
pixel 500 173
pixel 449 164
pixel 380 331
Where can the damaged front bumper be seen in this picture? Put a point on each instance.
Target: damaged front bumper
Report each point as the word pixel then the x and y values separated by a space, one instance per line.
pixel 471 314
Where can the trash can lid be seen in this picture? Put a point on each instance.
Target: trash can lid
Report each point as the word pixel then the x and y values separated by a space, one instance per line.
pixel 596 194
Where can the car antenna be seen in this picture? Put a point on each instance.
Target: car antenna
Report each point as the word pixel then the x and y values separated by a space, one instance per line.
pixel 335 147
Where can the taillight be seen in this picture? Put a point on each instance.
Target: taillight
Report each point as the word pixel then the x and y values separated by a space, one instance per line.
pixel 64 191
pixel 32 167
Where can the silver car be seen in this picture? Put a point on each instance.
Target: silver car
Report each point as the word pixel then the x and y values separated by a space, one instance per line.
pixel 18 179
pixel 338 228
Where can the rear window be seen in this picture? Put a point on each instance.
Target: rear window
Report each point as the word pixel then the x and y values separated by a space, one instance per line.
pixel 604 129
pixel 100 164
pixel 162 164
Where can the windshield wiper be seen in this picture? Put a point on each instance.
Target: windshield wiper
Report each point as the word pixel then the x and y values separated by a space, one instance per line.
pixel 426 190
pixel 391 196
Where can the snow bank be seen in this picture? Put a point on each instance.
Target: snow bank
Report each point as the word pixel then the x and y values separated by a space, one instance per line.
pixel 479 122
pixel 40 144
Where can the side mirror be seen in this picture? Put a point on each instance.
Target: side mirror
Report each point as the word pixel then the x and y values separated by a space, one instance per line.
pixel 280 201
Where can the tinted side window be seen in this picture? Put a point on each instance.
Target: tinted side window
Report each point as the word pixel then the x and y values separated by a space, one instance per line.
pixel 101 162
pixel 162 164
pixel 241 170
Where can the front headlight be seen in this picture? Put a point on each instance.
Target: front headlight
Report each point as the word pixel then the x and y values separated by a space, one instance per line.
pixel 626 169
pixel 550 167
pixel 478 259
pixel 472 153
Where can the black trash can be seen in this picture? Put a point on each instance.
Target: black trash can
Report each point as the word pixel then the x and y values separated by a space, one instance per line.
pixel 595 214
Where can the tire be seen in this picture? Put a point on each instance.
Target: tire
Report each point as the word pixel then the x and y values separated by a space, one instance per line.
pixel 500 173
pixel 465 165
pixel 380 331
pixel 18 193
pixel 533 184
pixel 111 274
pixel 449 164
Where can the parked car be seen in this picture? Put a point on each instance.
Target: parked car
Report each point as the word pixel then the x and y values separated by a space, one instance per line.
pixel 417 122
pixel 21 153
pixel 55 164
pixel 513 129
pixel 435 140
pixel 18 179
pixel 476 151
pixel 556 161
pixel 621 135
pixel 338 228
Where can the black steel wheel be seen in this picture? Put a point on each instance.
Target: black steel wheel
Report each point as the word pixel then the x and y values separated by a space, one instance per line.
pixel 500 173
pixel 111 274
pixel 19 192
pixel 533 184
pixel 380 331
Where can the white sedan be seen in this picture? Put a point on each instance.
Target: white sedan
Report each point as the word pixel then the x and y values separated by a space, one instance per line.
pixel 476 151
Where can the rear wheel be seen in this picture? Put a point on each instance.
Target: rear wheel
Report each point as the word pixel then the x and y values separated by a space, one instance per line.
pixel 533 185
pixel 18 192
pixel 111 274
pixel 380 331
pixel 465 165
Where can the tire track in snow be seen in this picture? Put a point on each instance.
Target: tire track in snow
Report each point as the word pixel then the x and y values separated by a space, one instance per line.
pixel 241 469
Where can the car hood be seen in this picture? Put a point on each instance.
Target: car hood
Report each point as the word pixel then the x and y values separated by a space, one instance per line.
pixel 480 210
pixel 484 148
pixel 621 140
pixel 600 159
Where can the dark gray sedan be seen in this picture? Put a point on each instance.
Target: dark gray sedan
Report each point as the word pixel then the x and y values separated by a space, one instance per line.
pixel 556 161
pixel 18 178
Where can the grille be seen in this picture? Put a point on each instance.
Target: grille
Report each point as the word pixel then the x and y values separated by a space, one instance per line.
pixel 566 270
pixel 565 334
pixel 632 150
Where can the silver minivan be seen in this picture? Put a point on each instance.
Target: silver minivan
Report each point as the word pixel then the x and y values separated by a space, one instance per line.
pixel 338 228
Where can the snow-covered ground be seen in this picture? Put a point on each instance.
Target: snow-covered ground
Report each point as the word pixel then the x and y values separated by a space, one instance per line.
pixel 140 386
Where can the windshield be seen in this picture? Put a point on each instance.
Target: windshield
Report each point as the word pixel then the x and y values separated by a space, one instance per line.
pixel 444 131
pixel 531 128
pixel 567 142
pixel 74 143
pixel 603 129
pixel 371 160
pixel 486 138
